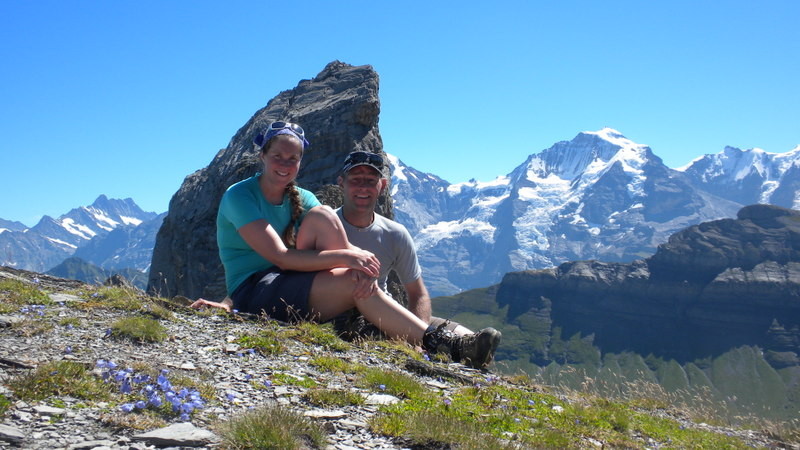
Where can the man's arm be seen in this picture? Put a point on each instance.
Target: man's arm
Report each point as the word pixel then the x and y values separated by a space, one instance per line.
pixel 419 302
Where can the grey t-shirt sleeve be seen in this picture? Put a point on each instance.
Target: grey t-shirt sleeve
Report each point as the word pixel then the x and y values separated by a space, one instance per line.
pixel 406 263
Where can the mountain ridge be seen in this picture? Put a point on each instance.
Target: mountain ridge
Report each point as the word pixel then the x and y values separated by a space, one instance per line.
pixel 52 240
pixel 597 196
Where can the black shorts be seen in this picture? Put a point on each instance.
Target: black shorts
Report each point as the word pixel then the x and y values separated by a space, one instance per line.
pixel 281 294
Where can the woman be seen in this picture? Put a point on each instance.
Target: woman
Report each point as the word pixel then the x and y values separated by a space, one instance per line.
pixel 288 256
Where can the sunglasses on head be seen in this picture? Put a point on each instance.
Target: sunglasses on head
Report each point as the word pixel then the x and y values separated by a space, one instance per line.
pixel 279 125
pixel 364 157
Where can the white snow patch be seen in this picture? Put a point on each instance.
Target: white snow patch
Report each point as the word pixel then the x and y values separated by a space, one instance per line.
pixel 3 230
pixel 102 218
pixel 130 220
pixel 432 234
pixel 60 242
pixel 398 171
pixel 82 231
pixel 615 137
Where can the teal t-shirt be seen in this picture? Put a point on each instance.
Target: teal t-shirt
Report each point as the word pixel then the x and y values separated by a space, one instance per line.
pixel 241 204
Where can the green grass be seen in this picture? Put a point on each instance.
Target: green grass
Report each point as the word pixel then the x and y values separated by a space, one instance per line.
pixel 285 379
pixel 316 334
pixel 327 398
pixel 59 378
pixel 14 294
pixel 5 405
pixel 267 342
pixel 271 426
pixel 140 329
pixel 336 365
pixel 391 382
pixel 487 416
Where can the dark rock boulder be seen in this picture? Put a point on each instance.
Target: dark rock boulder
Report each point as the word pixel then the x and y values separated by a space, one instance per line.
pixel 339 111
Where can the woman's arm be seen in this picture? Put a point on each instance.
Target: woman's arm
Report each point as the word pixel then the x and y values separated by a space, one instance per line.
pixel 263 239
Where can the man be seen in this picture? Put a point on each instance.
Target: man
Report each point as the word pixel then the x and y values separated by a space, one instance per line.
pixel 362 182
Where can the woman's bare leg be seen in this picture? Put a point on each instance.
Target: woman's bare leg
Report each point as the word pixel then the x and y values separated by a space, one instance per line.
pixel 331 292
pixel 321 229
pixel 330 296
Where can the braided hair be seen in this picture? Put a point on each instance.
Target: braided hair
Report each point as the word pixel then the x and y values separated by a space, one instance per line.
pixel 289 235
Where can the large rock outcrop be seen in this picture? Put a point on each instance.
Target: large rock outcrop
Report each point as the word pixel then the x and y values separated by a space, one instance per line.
pixel 713 286
pixel 339 111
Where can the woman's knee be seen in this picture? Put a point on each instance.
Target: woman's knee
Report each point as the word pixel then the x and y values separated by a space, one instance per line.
pixel 321 229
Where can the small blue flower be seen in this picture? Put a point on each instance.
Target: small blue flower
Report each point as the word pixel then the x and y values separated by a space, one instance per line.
pixel 140 404
pixel 155 400
pixel 185 417
pixel 127 407
pixel 68 350
pixel 427 358
pixel 235 311
pixel 126 388
pixel 447 402
pixel 70 326
pixel 165 385
pixel 267 383
pixel 231 396
pixel 382 387
pixel 531 402
pixel 108 332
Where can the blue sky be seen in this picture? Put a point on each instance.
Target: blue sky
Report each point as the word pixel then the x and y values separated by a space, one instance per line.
pixel 126 98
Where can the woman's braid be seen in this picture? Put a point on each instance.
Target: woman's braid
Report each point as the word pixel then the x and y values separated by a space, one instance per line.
pixel 290 234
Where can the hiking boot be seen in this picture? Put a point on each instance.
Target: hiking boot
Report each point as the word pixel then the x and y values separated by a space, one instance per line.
pixel 474 350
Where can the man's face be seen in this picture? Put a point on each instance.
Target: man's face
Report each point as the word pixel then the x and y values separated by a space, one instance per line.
pixel 362 186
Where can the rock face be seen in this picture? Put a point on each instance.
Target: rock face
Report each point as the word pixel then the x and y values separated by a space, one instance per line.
pixel 338 109
pixel 713 286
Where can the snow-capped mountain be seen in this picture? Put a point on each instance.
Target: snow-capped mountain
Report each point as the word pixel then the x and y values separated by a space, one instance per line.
pixel 598 196
pixel 749 176
pixel 51 240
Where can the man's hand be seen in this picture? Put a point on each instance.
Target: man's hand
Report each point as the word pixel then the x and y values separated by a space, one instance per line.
pixel 202 303
pixel 365 285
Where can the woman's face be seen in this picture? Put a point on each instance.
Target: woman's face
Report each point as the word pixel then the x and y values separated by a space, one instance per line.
pixel 282 159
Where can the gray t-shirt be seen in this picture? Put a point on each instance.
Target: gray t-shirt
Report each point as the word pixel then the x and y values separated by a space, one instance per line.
pixel 392 245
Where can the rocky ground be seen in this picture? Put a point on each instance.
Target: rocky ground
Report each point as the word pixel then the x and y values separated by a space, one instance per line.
pixel 201 346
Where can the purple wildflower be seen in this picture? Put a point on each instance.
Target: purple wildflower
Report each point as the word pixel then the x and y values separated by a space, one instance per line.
pixel 155 400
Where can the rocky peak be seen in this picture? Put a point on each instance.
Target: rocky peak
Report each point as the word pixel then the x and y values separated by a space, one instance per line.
pixel 338 109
